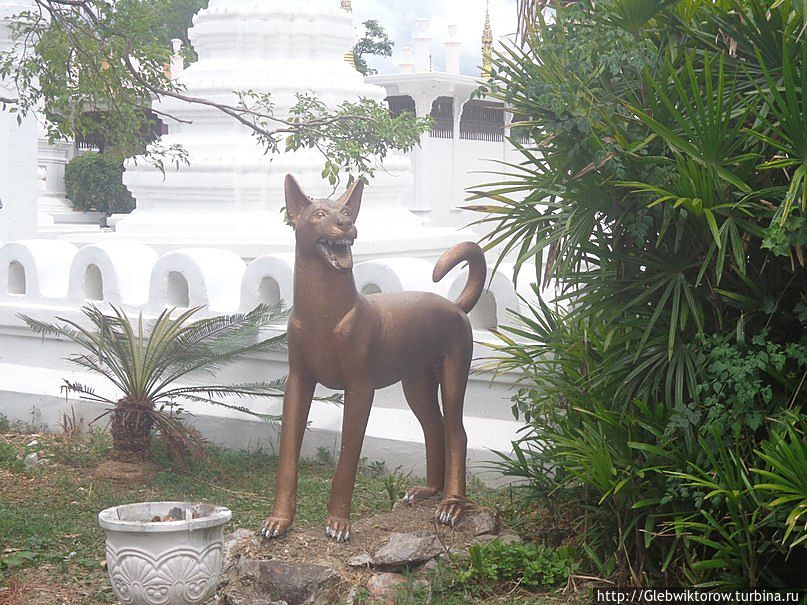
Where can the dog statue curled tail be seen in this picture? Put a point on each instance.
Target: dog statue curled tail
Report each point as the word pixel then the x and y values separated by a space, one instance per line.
pixel 347 341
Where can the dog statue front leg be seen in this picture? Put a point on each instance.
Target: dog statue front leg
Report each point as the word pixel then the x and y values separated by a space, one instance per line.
pixel 358 402
pixel 296 405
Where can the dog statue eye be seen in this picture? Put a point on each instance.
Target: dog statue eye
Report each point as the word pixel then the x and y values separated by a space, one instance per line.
pixel 320 214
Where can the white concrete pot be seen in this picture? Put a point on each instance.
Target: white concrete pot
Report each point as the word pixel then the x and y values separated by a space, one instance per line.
pixel 164 563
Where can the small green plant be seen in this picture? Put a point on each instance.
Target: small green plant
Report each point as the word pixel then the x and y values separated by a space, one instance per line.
pixel 5 424
pixel 94 181
pixel 532 565
pixel 377 468
pixel 395 484
pixel 495 566
pixel 324 457
pixel 82 450
pixel 14 559
pixel 9 455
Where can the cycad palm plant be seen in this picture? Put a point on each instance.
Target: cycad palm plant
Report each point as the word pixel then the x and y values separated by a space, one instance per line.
pixel 146 362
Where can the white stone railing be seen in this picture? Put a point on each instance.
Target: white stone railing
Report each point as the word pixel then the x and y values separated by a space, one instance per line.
pixel 48 279
pixel 132 275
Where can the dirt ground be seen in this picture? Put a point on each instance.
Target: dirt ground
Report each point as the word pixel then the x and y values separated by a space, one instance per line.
pixel 311 545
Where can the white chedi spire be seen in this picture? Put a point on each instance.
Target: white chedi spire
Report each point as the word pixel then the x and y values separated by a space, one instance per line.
pixel 231 188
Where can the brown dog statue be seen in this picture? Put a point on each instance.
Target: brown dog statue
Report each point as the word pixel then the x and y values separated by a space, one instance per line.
pixel 347 341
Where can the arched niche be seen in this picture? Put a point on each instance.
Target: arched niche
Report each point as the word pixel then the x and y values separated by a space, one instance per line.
pixel 484 315
pixel 269 291
pixel 16 278
pixel 177 290
pixel 93 283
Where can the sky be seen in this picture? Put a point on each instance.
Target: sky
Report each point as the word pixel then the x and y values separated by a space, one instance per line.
pixel 398 19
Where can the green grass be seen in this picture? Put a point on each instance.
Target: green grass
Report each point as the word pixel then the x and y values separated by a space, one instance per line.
pixel 48 513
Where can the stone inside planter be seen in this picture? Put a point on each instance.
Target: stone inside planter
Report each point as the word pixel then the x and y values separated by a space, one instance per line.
pixel 164 553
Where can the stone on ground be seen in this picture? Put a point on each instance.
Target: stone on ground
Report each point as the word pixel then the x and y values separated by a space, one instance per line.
pixel 305 567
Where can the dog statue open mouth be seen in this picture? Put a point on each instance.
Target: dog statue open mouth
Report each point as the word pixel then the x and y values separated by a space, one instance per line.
pixel 337 252
pixel 345 340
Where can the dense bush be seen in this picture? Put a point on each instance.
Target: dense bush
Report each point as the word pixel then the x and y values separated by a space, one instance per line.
pixel 93 181
pixel 664 195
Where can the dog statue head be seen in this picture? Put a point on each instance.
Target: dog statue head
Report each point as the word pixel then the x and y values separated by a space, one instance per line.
pixel 324 229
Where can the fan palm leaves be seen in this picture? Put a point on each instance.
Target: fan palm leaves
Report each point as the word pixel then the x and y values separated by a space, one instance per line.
pixel 661 186
pixel 783 475
pixel 145 362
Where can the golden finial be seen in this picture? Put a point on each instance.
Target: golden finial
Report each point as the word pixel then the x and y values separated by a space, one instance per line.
pixel 349 58
pixel 487 44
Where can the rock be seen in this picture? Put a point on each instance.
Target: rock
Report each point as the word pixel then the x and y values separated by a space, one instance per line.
pixel 361 560
pixel 295 583
pixel 237 598
pixel 429 566
pixel 230 539
pixel 177 513
pixel 509 539
pixel 403 549
pixel 238 534
pixel 383 587
pixel 484 539
pixel 31 460
pixel 483 522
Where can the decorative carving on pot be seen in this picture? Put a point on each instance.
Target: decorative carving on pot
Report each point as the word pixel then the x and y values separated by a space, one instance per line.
pixel 153 561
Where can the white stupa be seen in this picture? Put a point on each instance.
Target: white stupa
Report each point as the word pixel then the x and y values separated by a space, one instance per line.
pixel 231 195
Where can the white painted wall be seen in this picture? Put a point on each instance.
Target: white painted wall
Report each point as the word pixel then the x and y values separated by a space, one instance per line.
pixel 18 151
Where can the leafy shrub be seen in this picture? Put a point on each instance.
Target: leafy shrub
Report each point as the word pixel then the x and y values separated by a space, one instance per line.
pixel 663 191
pixel 93 181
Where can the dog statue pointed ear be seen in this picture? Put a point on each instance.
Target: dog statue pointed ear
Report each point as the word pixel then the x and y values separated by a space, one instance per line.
pixel 296 200
pixel 352 197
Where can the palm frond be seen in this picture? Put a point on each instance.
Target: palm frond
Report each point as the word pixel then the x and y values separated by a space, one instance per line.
pixel 85 392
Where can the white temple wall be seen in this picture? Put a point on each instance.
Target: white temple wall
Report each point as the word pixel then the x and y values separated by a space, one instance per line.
pixel 18 183
pixel 18 150
pixel 60 279
pixel 449 168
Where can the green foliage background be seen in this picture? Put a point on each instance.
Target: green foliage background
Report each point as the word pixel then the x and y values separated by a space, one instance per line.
pixel 93 182
pixel 375 41
pixel 662 197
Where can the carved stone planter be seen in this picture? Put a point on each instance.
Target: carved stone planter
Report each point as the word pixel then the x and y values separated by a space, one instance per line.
pixel 164 562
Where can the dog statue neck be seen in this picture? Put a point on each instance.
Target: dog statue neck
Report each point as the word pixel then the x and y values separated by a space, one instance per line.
pixel 319 288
